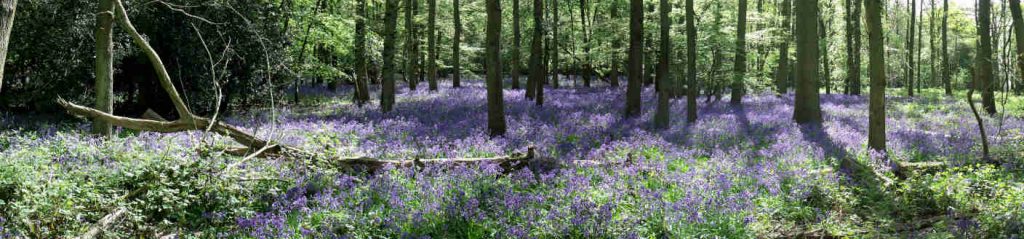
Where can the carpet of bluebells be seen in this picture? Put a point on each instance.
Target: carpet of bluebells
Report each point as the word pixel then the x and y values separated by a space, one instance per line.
pixel 738 172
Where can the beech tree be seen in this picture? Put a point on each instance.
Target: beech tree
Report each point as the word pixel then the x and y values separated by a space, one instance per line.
pixel 361 95
pixel 691 61
pixel 661 115
pixel 495 97
pixel 782 72
pixel 387 88
pixel 7 10
pixel 984 60
pixel 635 69
pixel 740 66
pixel 876 68
pixel 807 104
pixel 104 66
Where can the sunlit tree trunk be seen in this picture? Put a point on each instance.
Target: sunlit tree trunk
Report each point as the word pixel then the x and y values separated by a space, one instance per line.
pixel 495 98
pixel 740 65
pixel 516 39
pixel 457 46
pixel 1018 31
pixel 782 71
pixel 362 94
pixel 661 115
pixel 876 68
pixel 537 71
pixel 387 89
pixel 984 57
pixel 853 43
pixel 432 44
pixel 7 10
pixel 807 104
pixel 635 71
pixel 826 67
pixel 910 49
pixel 104 64
pixel 946 71
pixel 691 61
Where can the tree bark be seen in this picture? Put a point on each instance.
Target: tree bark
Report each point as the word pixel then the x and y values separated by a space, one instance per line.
pixel 457 46
pixel 807 104
pixel 910 49
pixel 361 94
pixel 495 100
pixel 876 67
pixel 7 10
pixel 302 52
pixel 636 41
pixel 825 64
pixel 537 71
pixel 387 88
pixel 586 44
pixel 1018 31
pixel 984 57
pixel 691 61
pixel 740 65
pixel 516 39
pixel 661 115
pixel 782 72
pixel 432 44
pixel 613 75
pixel 946 71
pixel 411 51
pixel 853 42
pixel 104 65
pixel 555 61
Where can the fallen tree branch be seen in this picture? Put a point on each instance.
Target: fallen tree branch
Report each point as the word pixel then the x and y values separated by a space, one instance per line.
pixel 104 223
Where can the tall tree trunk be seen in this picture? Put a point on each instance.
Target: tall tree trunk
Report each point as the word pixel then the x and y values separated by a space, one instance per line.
pixel 933 52
pixel 853 42
pixel 556 23
pixel 946 71
pixel 302 51
pixel 537 71
pixel 910 48
pixel 516 39
pixel 876 67
pixel 7 10
pixel 691 61
pixel 432 44
pixel 1018 30
pixel 387 88
pixel 984 57
pixel 661 115
pixel 613 76
pixel 782 72
pixel 825 64
pixel 362 94
pixel 807 104
pixel 411 51
pixel 740 65
pixel 586 43
pixel 635 71
pixel 495 98
pixel 104 63
pixel 457 46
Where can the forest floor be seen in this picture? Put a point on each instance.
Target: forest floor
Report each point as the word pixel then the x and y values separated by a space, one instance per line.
pixel 738 172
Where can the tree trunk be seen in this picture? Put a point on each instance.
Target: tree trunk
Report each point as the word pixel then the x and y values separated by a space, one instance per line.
pixel 613 76
pixel 876 67
pixel 984 57
pixel 933 52
pixel 946 82
pixel 740 65
pixel 807 104
pixel 661 115
pixel 853 41
pixel 516 39
pixel 691 61
pixel 495 99
pixel 1018 30
pixel 457 46
pixel 302 52
pixel 432 44
pixel 387 88
pixel 7 10
pixel 826 67
pixel 411 51
pixel 920 48
pixel 537 71
pixel 556 24
pixel 586 43
pixel 782 72
pixel 104 64
pixel 361 94
pixel 635 71
pixel 910 49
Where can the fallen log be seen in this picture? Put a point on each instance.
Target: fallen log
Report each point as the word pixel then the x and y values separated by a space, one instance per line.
pixel 104 223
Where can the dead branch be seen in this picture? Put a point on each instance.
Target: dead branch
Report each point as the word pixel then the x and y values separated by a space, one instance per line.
pixel 105 223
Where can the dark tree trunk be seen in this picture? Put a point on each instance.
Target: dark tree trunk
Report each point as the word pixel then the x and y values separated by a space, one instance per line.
pixel 984 57
pixel 556 23
pixel 910 48
pixel 807 104
pixel 876 67
pixel 586 44
pixel 495 98
pixel 825 64
pixel 516 39
pixel 411 51
pixel 636 41
pixel 740 65
pixel 946 71
pixel 782 72
pixel 613 76
pixel 691 61
pixel 432 44
pixel 457 46
pixel 853 43
pixel 104 63
pixel 362 94
pixel 661 115
pixel 387 88
pixel 537 71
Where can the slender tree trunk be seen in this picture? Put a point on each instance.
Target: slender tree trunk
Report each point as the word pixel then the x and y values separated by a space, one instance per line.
pixel 432 44
pixel 495 97
pixel 7 10
pixel 920 48
pixel 556 18
pixel 537 71
pixel 691 61
pixel 740 66
pixel 636 41
pixel 854 57
pixel 807 104
pixel 782 71
pixel 661 115
pixel 457 46
pixel 516 39
pixel 826 67
pixel 933 52
pixel 362 94
pixel 387 89
pixel 104 64
pixel 946 71
pixel 302 51
pixel 910 48
pixel 613 76
pixel 586 44
pixel 876 67
pixel 984 57
pixel 411 51
pixel 1018 31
